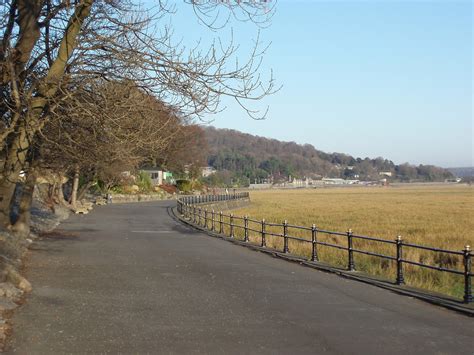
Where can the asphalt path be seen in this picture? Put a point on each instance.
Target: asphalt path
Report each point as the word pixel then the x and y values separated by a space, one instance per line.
pixel 130 279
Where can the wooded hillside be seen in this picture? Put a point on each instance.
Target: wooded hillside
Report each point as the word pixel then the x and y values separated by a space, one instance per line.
pixel 253 157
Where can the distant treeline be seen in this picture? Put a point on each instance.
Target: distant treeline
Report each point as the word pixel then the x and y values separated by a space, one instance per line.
pixel 242 157
pixel 467 172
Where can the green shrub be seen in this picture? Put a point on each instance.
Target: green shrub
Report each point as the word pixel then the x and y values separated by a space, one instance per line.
pixel 144 182
pixel 117 189
pixel 184 185
pixel 197 185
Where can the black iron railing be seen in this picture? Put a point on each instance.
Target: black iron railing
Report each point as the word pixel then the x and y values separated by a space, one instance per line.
pixel 194 209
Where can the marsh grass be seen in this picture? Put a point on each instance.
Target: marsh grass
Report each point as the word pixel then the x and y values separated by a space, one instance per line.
pixel 440 217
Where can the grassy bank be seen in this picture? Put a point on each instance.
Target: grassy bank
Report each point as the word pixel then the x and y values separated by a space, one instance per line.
pixel 435 216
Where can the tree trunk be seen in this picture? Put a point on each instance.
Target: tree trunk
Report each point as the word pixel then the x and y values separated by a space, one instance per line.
pixel 7 190
pixel 59 193
pixel 83 190
pixel 22 224
pixel 75 187
pixel 14 162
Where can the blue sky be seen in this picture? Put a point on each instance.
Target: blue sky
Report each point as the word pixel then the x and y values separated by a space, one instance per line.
pixel 367 78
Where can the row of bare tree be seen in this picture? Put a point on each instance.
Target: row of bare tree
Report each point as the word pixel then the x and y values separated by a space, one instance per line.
pixel 94 87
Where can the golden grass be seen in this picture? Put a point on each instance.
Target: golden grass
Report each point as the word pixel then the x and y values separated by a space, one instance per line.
pixel 437 216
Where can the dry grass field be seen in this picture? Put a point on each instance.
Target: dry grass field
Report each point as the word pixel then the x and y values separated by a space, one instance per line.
pixel 437 216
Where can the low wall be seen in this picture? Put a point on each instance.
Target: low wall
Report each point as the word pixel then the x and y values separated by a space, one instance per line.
pixel 140 198
pixel 260 186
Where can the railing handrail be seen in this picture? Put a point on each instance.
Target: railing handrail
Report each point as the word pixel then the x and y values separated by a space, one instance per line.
pixel 187 207
pixel 375 239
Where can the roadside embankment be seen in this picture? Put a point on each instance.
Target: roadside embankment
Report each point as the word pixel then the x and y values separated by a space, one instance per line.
pixel 13 249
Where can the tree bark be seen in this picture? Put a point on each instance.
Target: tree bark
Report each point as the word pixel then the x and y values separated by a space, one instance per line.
pixel 7 189
pixel 60 194
pixel 75 187
pixel 22 224
pixel 14 162
pixel 83 190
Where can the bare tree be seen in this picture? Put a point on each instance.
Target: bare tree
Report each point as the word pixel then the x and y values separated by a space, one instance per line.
pixel 50 48
pixel 107 129
pixel 187 151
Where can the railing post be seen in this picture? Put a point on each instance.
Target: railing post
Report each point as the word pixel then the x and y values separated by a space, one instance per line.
pixel 467 274
pixel 213 225
pixel 231 225
pixel 221 228
pixel 350 264
pixel 246 228
pixel 285 237
pixel 194 214
pixel 314 249
pixel 264 242
pixel 400 278
pixel 205 218
pixel 200 213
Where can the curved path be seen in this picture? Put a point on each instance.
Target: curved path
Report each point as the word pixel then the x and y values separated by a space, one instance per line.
pixel 130 279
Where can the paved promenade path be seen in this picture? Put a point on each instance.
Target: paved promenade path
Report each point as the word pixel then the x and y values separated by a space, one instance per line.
pixel 130 279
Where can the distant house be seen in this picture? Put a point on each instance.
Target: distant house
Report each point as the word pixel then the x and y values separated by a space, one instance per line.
pixel 156 175
pixel 168 177
pixel 453 180
pixel 338 181
pixel 304 182
pixel 333 181
pixel 207 171
pixel 353 182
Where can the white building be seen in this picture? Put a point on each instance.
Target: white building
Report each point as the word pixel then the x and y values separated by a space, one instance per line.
pixel 155 174
pixel 207 171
